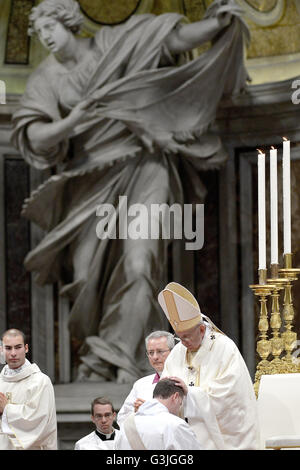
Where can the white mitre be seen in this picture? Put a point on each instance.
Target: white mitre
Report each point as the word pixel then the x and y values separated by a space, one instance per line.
pixel 181 308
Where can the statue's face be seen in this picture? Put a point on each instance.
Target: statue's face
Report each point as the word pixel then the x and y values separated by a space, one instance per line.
pixel 52 34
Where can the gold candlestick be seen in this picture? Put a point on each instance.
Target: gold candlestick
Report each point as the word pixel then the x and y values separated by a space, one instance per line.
pixel 262 277
pixel 277 342
pixel 264 346
pixel 289 336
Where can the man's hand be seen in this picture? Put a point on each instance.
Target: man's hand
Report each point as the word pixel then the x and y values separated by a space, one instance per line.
pixel 3 402
pixel 180 383
pixel 138 402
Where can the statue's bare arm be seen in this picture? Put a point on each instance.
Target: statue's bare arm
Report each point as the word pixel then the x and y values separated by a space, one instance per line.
pixel 43 136
pixel 189 36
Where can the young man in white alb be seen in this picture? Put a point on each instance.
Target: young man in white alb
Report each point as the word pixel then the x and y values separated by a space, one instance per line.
pixel 27 403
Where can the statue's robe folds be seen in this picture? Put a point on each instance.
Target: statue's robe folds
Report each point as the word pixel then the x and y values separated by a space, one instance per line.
pixel 220 405
pixel 30 415
pixel 142 97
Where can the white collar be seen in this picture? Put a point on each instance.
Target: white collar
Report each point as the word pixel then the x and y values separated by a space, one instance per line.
pixel 106 435
pixel 7 371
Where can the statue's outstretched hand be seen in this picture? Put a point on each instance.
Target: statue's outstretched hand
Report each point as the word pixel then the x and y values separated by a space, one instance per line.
pixel 224 20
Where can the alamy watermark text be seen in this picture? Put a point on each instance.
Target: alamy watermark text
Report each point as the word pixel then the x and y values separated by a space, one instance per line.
pixel 153 221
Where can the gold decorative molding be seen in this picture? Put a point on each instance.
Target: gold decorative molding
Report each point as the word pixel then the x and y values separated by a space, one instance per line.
pixel 113 11
pixel 17 41
pixel 110 12
pixel 263 13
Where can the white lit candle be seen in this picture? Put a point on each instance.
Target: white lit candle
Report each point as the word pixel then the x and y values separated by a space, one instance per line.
pixel 286 188
pixel 274 206
pixel 261 211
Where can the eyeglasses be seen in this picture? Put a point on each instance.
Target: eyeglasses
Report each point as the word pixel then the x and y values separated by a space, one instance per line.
pixel 159 352
pixel 106 415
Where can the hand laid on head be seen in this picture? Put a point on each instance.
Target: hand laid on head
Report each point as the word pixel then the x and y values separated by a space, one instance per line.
pixel 3 402
pixel 180 383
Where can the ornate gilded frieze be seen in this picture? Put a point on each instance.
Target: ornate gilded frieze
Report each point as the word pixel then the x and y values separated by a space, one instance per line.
pixel 273 54
pixel 281 37
pixel 17 41
pixel 112 11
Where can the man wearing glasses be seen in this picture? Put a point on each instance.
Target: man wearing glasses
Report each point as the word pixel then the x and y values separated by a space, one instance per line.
pixel 103 416
pixel 158 346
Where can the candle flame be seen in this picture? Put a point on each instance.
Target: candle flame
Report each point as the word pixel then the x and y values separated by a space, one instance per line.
pixel 273 148
pixel 260 151
pixel 284 138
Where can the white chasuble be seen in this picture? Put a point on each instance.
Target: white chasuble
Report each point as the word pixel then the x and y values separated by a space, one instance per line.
pixel 220 405
pixel 29 419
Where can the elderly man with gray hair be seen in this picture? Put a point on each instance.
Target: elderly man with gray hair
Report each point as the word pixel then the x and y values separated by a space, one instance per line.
pixel 158 346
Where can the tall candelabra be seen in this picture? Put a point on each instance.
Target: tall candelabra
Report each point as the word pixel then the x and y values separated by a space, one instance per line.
pixel 276 350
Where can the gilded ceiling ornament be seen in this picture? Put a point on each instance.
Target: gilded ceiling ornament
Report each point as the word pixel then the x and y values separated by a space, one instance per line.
pixel 297 2
pixel 110 12
pixel 263 12
pixel 262 5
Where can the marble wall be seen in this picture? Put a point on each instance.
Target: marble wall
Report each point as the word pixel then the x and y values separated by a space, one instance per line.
pixel 17 243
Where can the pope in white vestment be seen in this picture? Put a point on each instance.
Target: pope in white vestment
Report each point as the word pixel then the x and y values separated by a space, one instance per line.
pixel 159 430
pixel 28 421
pixel 220 404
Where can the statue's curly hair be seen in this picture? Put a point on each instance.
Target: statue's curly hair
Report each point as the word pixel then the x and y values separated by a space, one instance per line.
pixel 65 11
